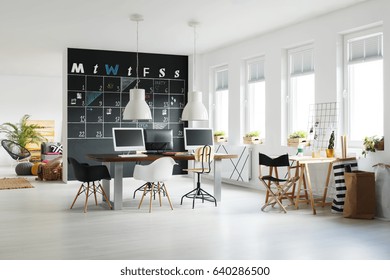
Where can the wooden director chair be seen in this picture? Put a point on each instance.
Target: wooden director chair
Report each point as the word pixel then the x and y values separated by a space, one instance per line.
pixel 277 188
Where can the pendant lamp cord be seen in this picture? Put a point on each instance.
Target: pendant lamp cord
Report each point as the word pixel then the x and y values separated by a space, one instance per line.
pixel 194 61
pixel 136 85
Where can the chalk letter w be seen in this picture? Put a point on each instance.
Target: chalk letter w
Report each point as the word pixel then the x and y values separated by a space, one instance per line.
pixel 110 69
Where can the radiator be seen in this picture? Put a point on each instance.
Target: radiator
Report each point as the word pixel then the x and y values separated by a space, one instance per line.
pixel 237 169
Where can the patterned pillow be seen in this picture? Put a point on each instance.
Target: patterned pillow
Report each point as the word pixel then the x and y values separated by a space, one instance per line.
pixel 56 148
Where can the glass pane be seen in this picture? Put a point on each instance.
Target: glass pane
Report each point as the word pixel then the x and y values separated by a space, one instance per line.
pixel 302 94
pixel 366 99
pixel 256 107
pixel 222 110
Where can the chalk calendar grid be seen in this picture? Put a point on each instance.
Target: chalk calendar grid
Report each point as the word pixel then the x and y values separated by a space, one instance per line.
pixel 96 104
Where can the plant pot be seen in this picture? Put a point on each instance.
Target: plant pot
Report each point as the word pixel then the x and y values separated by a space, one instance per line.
pixel 294 142
pixel 380 146
pixel 329 153
pixel 219 139
pixel 251 140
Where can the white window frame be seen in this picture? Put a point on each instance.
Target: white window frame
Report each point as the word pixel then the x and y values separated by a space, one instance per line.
pixel 289 98
pixel 346 97
pixel 261 78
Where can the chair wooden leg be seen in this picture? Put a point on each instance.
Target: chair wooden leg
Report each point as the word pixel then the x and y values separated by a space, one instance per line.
pixel 105 196
pixel 151 197
pixel 86 199
pixel 166 193
pixel 274 197
pixel 159 192
pixel 94 192
pixel 143 196
pixel 77 195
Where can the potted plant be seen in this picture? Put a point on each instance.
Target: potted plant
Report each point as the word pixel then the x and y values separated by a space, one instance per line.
pixel 330 149
pixel 252 137
pixel 219 136
pixel 296 138
pixel 22 133
pixel 380 144
pixel 372 144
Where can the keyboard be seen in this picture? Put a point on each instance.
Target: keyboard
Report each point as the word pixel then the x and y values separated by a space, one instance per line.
pixel 132 155
pixel 153 153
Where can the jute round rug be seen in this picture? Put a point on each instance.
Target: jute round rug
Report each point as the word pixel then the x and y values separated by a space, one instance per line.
pixel 14 183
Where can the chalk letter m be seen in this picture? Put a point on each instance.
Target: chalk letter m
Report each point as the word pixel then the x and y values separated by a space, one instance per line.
pixel 77 68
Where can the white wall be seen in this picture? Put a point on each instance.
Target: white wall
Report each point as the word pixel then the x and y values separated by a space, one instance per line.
pixel 40 97
pixel 325 33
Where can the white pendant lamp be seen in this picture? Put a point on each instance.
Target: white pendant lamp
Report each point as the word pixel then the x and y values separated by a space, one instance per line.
pixel 137 109
pixel 194 109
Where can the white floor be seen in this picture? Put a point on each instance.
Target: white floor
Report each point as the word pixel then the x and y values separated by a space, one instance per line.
pixel 38 224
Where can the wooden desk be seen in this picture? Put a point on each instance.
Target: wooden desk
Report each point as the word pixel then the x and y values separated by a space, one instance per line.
pixel 108 159
pixel 304 178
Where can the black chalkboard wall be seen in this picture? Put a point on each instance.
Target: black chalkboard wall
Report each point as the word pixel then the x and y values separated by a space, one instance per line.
pixel 98 91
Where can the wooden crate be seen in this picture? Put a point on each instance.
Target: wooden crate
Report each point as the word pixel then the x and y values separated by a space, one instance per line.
pixel 252 140
pixel 294 142
pixel 219 139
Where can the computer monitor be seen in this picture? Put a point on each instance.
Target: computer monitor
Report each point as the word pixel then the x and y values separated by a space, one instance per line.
pixel 128 139
pixel 158 140
pixel 197 137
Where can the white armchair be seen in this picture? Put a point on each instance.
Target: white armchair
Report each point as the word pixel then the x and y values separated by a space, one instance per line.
pixel 155 174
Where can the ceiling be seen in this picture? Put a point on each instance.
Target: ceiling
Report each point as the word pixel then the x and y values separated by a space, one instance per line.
pixel 35 34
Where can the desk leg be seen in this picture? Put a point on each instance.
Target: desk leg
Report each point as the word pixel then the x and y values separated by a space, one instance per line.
pixel 118 186
pixel 217 179
pixel 310 189
pixel 300 182
pixel 106 184
pixel 327 183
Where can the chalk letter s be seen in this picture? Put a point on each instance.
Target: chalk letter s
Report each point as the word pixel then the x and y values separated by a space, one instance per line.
pixel 177 73
pixel 162 73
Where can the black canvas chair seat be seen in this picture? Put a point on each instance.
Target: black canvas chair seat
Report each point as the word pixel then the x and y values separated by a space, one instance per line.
pixel 273 179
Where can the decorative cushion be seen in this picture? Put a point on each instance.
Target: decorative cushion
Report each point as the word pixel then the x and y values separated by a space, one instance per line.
pixel 51 147
pixel 56 148
pixel 23 168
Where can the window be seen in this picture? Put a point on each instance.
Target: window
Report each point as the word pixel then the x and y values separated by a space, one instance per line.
pixel 301 89
pixel 255 96
pixel 221 101
pixel 363 98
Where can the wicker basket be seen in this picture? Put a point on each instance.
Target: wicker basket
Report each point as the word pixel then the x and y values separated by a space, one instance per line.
pixel 52 174
pixel 51 171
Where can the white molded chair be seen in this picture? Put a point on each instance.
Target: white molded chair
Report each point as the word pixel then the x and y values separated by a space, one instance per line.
pixel 155 174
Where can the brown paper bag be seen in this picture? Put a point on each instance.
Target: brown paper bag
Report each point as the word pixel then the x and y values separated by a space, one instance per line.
pixel 360 195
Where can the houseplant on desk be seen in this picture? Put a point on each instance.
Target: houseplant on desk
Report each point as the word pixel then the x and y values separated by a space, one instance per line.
pixel 372 144
pixel 219 136
pixel 252 137
pixel 296 138
pixel 330 149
